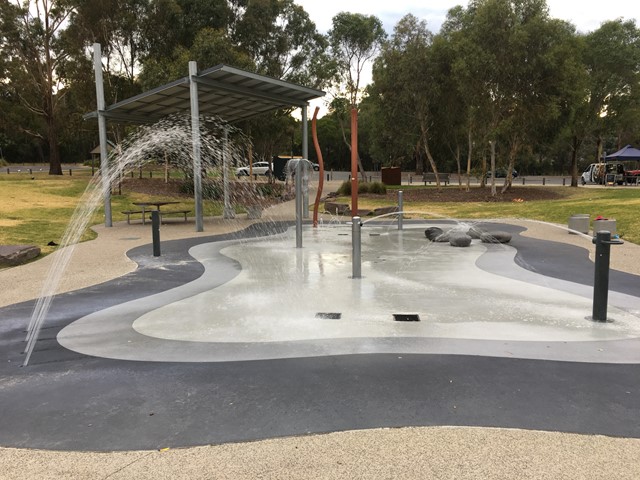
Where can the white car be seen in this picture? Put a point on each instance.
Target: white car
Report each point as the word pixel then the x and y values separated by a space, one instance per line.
pixel 258 168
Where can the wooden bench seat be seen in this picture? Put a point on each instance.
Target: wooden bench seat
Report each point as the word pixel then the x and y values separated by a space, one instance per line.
pixel 175 212
pixel 128 213
pixel 431 178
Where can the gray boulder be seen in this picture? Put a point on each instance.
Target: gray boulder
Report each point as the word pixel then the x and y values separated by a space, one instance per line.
pixel 432 233
pixel 496 236
pixel 12 255
pixel 475 232
pixel 458 239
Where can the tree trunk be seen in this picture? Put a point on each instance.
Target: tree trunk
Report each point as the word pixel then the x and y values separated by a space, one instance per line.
pixel 493 168
pixel 55 166
pixel 425 143
pixel 469 156
pixel 513 151
pixel 459 166
pixel 348 144
pixel 575 146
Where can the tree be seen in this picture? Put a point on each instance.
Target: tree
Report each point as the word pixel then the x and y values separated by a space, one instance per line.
pixel 355 39
pixel 34 55
pixel 405 84
pixel 512 65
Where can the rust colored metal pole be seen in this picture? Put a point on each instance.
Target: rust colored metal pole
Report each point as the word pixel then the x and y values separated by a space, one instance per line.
pixel 314 134
pixel 354 162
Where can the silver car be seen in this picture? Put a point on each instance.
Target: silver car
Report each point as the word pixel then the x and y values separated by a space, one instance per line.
pixel 258 168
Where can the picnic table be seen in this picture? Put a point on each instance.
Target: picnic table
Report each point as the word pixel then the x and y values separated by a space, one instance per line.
pixel 145 205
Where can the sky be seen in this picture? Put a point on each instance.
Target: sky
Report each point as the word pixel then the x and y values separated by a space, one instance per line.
pixel 586 15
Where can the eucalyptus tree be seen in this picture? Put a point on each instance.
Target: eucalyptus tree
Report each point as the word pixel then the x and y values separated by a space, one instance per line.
pixel 406 85
pixel 33 56
pixel 513 67
pixel 612 58
pixel 282 41
pixel 355 40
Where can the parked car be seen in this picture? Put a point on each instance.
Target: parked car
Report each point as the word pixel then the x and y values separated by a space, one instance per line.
pixel 601 173
pixel 315 166
pixel 502 173
pixel 258 168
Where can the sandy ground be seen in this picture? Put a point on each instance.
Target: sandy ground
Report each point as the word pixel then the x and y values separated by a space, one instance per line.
pixel 407 453
pixel 433 452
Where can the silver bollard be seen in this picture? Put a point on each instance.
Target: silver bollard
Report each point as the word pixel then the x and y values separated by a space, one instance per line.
pixel 356 247
pixel 299 199
pixel 400 209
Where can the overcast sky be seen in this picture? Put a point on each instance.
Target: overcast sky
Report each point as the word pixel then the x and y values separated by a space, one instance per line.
pixel 586 15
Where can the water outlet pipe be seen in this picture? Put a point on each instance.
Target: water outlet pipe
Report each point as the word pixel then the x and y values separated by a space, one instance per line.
pixel 603 243
pixel 356 247
pixel 299 201
pixel 155 232
pixel 400 209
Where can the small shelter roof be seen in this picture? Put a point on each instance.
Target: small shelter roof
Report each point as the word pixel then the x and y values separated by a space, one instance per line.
pixel 626 153
pixel 228 92
pixel 110 146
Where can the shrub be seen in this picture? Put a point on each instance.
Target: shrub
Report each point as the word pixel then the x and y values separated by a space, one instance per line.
pixel 363 187
pixel 344 190
pixel 211 189
pixel 378 188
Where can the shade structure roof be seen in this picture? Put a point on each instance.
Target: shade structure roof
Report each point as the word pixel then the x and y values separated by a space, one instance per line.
pixel 625 153
pixel 228 92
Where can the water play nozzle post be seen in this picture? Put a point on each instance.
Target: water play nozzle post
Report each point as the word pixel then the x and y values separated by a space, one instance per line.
pixel 603 243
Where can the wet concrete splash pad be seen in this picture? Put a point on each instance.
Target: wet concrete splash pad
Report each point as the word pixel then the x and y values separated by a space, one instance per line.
pixel 477 301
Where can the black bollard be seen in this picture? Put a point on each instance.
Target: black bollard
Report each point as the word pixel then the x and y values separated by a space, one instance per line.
pixel 155 232
pixel 603 244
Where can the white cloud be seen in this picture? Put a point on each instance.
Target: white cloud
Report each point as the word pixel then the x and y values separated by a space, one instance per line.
pixel 587 15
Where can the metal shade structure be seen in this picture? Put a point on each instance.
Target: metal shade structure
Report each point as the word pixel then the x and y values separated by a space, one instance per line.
pixel 625 153
pixel 227 92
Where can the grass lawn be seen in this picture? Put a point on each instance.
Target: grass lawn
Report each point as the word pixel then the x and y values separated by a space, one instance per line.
pixel 35 209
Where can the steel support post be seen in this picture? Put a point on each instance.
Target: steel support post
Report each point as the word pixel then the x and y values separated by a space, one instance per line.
pixel 195 141
pixel 102 133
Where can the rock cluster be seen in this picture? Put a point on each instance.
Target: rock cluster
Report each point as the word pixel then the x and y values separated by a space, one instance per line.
pixel 458 238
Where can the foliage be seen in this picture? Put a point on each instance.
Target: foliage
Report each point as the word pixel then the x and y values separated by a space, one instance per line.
pixel 34 54
pixel 212 189
pixel 377 188
pixel 355 40
pixel 344 189
pixel 505 71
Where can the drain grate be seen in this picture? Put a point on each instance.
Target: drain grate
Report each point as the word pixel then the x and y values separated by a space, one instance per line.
pixel 406 317
pixel 329 315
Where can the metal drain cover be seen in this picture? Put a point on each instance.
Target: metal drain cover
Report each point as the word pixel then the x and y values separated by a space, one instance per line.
pixel 406 317
pixel 329 315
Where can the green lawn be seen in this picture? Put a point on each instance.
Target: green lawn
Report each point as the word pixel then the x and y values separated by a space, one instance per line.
pixel 36 209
